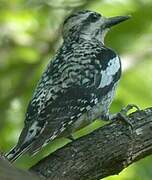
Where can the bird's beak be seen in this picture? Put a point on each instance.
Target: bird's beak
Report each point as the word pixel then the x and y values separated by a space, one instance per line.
pixel 115 20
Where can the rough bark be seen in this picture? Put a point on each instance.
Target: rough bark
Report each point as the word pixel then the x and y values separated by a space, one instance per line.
pixel 106 151
pixel 8 172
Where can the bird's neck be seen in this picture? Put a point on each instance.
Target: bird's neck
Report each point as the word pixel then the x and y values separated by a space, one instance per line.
pixel 88 36
pixel 98 35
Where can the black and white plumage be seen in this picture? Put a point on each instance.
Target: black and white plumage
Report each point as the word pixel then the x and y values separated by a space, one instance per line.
pixel 77 86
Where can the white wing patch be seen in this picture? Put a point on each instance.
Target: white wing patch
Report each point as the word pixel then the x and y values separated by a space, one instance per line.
pixel 107 74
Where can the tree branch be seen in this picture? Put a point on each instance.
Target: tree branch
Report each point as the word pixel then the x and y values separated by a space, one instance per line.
pixel 106 151
pixel 8 172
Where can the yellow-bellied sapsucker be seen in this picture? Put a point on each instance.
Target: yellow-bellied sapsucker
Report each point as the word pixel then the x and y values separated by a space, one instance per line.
pixel 77 86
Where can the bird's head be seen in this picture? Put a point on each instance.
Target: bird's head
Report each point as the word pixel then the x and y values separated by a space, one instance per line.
pixel 89 24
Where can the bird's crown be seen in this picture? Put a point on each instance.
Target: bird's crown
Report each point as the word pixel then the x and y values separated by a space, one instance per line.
pixel 89 24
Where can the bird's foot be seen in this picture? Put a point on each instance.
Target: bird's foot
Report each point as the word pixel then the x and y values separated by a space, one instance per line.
pixel 122 115
pixel 129 107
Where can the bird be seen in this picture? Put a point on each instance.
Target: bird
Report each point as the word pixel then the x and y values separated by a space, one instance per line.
pixel 77 86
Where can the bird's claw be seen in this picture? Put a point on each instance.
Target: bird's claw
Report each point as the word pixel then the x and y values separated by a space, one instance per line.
pixel 129 107
pixel 122 115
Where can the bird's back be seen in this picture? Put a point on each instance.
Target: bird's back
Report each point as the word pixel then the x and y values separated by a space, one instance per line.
pixel 71 85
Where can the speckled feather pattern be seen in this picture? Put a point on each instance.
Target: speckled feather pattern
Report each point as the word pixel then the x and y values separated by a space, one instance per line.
pixel 80 77
pixel 78 85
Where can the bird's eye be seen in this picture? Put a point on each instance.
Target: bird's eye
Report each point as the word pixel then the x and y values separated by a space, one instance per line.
pixel 94 17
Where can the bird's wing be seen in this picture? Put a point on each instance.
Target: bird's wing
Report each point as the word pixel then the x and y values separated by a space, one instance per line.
pixel 79 87
pixel 75 86
pixel 32 124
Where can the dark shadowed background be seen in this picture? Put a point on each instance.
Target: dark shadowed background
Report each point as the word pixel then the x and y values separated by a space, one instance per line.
pixel 30 33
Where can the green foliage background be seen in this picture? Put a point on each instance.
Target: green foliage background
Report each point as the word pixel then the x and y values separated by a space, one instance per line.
pixel 30 33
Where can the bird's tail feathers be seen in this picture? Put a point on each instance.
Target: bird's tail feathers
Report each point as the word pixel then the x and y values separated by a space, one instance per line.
pixel 16 152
